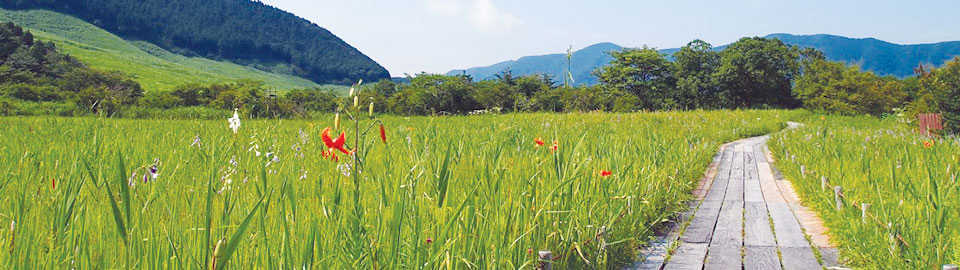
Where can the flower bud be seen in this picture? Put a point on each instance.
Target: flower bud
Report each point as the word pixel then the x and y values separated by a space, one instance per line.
pixel 351 92
pixel 356 101
pixel 371 109
pixel 336 122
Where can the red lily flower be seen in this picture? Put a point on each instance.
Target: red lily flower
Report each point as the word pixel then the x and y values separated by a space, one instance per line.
pixel 333 144
pixel 538 141
pixel 53 183
pixel 555 146
pixel 604 173
pixel 383 134
pixel 928 144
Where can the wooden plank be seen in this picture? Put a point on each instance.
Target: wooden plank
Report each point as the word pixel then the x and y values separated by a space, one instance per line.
pixel 771 193
pixel 729 229
pixel 701 227
pixel 735 184
pixel 710 175
pixel 786 227
pixel 799 258
pixel 718 188
pixel 756 227
pixel 752 191
pixel 723 258
pixel 758 153
pixel 761 258
pixel 830 257
pixel 689 256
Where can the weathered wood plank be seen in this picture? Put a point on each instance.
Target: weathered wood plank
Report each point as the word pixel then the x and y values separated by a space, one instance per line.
pixel 799 258
pixel 761 258
pixel 701 227
pixel 830 257
pixel 729 228
pixel 689 256
pixel 718 188
pixel 786 227
pixel 756 228
pixel 735 184
pixel 723 258
pixel 771 193
pixel 758 153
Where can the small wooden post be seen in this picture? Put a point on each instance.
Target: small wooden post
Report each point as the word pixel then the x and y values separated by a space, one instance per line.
pixel 950 267
pixel 546 260
pixel 863 215
pixel 836 194
pixel 803 171
pixel 823 183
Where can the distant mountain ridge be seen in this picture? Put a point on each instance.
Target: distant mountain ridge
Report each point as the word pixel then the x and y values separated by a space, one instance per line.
pixel 881 57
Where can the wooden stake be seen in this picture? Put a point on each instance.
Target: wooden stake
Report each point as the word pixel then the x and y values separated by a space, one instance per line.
pixel 803 171
pixel 823 183
pixel 546 260
pixel 836 194
pixel 863 215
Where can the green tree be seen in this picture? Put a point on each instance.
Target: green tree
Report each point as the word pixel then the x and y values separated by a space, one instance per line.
pixel 385 87
pixel 495 95
pixel 696 86
pixel 834 87
pixel 948 84
pixel 758 72
pixel 644 72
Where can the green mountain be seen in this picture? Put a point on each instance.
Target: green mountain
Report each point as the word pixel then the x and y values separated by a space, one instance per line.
pixel 583 61
pixel 881 57
pixel 241 31
pixel 153 67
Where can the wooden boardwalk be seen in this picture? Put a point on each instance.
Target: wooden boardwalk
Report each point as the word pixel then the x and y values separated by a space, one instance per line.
pixel 744 218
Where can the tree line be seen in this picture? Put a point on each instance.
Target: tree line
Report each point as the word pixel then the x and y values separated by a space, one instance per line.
pixel 750 73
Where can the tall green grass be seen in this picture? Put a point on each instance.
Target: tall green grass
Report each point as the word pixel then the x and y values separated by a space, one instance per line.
pixel 443 193
pixel 912 189
pixel 153 67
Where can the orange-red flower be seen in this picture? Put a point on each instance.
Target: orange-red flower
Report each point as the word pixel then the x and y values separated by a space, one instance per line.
pixel 555 146
pixel 383 134
pixel 538 141
pixel 605 173
pixel 928 144
pixel 53 183
pixel 333 144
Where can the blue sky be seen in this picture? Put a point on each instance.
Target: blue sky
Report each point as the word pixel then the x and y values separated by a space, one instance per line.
pixel 439 35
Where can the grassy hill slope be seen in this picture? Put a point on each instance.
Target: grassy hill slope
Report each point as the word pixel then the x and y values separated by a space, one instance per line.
pixel 154 68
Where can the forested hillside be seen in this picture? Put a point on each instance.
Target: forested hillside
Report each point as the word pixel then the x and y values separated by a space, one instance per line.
pixel 241 31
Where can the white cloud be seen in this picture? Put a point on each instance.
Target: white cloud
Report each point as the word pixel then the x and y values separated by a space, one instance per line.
pixel 483 15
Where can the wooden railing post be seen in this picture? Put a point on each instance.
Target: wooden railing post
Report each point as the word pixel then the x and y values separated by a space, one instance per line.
pixel 546 260
pixel 836 194
pixel 863 215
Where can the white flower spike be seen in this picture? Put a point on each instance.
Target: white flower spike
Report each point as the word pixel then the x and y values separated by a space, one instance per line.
pixel 234 121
